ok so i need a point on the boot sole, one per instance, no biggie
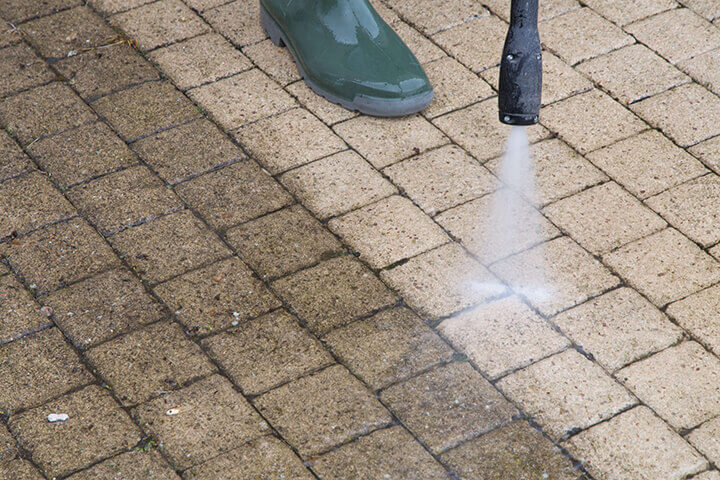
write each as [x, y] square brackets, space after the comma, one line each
[377, 107]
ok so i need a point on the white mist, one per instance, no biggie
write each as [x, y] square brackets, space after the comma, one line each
[508, 228]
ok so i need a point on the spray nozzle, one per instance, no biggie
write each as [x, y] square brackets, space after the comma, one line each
[521, 67]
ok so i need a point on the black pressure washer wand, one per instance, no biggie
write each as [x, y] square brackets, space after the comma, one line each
[521, 67]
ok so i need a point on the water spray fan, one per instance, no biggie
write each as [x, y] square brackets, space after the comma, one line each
[521, 67]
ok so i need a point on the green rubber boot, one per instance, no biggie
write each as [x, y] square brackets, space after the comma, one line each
[348, 54]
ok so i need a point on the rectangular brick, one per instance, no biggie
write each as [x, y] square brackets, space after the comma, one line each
[96, 428]
[43, 366]
[58, 255]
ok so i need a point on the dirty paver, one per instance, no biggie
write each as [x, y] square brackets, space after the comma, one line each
[216, 273]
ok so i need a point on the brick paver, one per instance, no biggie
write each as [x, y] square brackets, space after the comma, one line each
[216, 273]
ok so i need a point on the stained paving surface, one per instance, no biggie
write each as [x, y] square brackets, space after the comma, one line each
[218, 275]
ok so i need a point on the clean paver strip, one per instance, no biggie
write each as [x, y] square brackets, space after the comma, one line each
[205, 265]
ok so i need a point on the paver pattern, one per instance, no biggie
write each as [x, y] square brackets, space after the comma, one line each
[217, 274]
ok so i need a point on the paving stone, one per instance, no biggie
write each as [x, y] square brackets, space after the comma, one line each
[455, 86]
[106, 7]
[636, 444]
[647, 164]
[590, 121]
[691, 208]
[277, 62]
[149, 362]
[187, 150]
[20, 69]
[706, 8]
[559, 80]
[603, 218]
[476, 44]
[80, 154]
[388, 231]
[442, 178]
[44, 366]
[383, 141]
[677, 34]
[582, 394]
[58, 255]
[436, 15]
[559, 172]
[29, 202]
[618, 328]
[244, 98]
[515, 451]
[701, 68]
[288, 140]
[325, 110]
[212, 297]
[200, 60]
[42, 111]
[283, 242]
[708, 152]
[145, 109]
[477, 130]
[337, 184]
[17, 11]
[448, 406]
[394, 454]
[681, 384]
[123, 199]
[8, 34]
[20, 469]
[20, 313]
[266, 352]
[219, 418]
[699, 314]
[96, 429]
[623, 12]
[665, 266]
[568, 274]
[234, 194]
[706, 438]
[322, 410]
[715, 251]
[387, 347]
[333, 293]
[8, 447]
[96, 309]
[237, 21]
[136, 463]
[424, 50]
[502, 336]
[581, 34]
[102, 71]
[266, 457]
[12, 160]
[168, 246]
[547, 10]
[202, 5]
[65, 33]
[442, 281]
[633, 73]
[160, 23]
[684, 114]
[475, 224]
[714, 475]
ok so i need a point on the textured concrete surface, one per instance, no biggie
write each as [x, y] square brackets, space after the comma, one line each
[216, 273]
